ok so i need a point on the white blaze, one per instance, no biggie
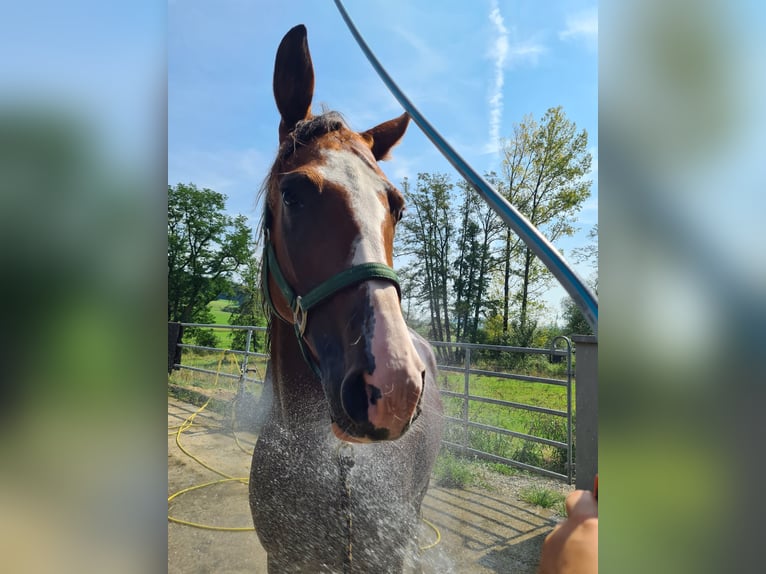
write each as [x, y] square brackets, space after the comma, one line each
[398, 367]
[365, 188]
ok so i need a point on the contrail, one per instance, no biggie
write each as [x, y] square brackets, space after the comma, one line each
[499, 53]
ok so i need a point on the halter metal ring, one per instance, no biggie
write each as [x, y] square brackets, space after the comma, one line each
[345, 453]
[299, 315]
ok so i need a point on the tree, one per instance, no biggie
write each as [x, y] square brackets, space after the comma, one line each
[575, 322]
[426, 235]
[516, 167]
[475, 261]
[465, 264]
[205, 248]
[544, 167]
[250, 308]
[589, 253]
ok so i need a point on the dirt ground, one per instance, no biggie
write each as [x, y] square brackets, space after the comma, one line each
[483, 530]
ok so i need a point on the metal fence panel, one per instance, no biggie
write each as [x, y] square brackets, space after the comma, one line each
[468, 355]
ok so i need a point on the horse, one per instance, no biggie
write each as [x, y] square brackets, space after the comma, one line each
[354, 417]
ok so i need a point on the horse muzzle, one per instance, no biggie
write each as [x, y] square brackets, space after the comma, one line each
[379, 406]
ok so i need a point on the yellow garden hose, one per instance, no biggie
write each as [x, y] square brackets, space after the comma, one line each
[226, 478]
[207, 526]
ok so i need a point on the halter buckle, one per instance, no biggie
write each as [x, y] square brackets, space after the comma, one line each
[345, 453]
[299, 315]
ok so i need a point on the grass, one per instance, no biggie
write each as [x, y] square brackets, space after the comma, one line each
[538, 394]
[501, 468]
[542, 496]
[453, 472]
[220, 314]
[222, 388]
[542, 425]
[221, 317]
[217, 307]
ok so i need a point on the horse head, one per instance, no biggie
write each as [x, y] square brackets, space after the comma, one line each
[330, 216]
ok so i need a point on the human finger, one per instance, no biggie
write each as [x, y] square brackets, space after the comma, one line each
[581, 503]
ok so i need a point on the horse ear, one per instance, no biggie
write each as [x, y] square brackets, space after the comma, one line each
[293, 79]
[387, 135]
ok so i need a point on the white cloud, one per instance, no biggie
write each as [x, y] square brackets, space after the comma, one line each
[526, 52]
[503, 54]
[219, 170]
[237, 173]
[499, 53]
[425, 58]
[399, 168]
[582, 26]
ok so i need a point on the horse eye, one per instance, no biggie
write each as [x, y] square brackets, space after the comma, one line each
[296, 189]
[290, 198]
[395, 203]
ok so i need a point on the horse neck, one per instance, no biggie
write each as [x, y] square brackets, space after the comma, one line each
[298, 394]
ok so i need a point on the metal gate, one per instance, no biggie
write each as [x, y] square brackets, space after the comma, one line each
[504, 391]
[493, 408]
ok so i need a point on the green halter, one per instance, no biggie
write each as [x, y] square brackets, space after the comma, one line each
[301, 304]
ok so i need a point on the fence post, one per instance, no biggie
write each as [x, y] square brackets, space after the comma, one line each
[586, 397]
[570, 447]
[249, 336]
[175, 334]
[244, 403]
[466, 392]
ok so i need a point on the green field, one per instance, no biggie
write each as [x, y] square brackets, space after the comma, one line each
[542, 425]
[221, 338]
[216, 307]
[221, 317]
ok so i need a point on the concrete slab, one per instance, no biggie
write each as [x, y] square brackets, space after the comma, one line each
[483, 530]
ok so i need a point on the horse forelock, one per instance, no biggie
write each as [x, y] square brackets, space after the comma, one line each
[306, 131]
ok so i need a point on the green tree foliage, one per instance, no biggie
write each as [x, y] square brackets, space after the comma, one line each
[480, 227]
[472, 276]
[575, 322]
[544, 167]
[589, 252]
[426, 235]
[466, 266]
[206, 248]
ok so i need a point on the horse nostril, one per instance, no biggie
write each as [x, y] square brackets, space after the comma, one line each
[354, 397]
[373, 393]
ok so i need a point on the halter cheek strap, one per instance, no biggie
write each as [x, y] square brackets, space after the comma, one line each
[300, 305]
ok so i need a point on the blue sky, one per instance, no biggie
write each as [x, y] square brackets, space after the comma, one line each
[474, 69]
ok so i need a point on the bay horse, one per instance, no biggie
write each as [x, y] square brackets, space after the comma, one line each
[354, 417]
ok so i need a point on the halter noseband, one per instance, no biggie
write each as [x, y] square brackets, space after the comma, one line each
[301, 304]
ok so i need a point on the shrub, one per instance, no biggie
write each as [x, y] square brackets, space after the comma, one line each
[551, 428]
[205, 338]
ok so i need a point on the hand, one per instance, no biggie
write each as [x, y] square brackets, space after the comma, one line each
[572, 547]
